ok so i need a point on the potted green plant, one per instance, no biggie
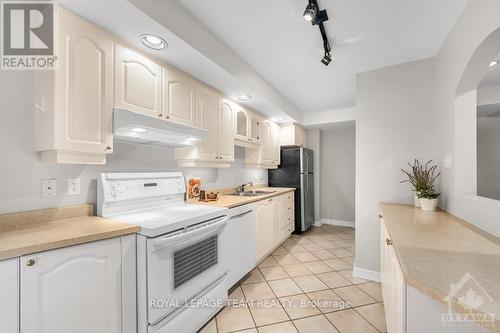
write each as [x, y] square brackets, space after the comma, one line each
[429, 199]
[422, 177]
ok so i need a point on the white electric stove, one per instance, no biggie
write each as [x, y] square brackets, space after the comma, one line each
[181, 249]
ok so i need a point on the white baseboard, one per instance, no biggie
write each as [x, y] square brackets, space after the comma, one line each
[340, 223]
[317, 224]
[365, 274]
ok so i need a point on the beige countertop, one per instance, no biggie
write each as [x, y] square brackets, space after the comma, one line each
[231, 201]
[437, 250]
[47, 229]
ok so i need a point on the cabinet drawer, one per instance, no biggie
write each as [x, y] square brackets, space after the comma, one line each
[286, 231]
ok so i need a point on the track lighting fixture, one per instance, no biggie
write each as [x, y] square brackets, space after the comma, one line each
[310, 12]
[317, 17]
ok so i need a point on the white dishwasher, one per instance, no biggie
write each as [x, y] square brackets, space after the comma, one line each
[241, 239]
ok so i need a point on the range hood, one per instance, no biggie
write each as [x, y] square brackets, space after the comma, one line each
[134, 127]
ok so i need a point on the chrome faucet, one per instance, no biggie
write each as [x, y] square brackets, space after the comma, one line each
[241, 188]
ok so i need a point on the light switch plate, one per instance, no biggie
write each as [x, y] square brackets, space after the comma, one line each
[49, 188]
[74, 186]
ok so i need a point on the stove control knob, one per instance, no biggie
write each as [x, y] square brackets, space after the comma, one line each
[113, 193]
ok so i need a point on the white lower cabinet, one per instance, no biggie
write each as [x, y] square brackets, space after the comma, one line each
[272, 225]
[9, 296]
[393, 284]
[79, 288]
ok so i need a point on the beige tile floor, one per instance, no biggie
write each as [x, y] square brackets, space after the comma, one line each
[305, 286]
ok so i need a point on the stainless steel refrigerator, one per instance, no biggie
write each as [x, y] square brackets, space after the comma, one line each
[297, 170]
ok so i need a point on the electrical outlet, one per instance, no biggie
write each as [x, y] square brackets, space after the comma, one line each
[74, 186]
[49, 188]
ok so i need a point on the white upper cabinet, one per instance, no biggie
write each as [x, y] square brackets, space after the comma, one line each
[74, 289]
[226, 130]
[255, 126]
[266, 155]
[242, 124]
[179, 93]
[292, 135]
[207, 105]
[138, 83]
[75, 102]
[275, 144]
[267, 149]
[216, 115]
[9, 296]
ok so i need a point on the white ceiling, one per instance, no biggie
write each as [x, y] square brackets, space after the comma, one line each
[266, 49]
[272, 37]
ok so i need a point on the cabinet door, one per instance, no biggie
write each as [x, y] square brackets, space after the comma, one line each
[9, 296]
[261, 231]
[242, 124]
[266, 140]
[226, 131]
[179, 94]
[138, 82]
[274, 222]
[255, 128]
[275, 143]
[84, 87]
[300, 136]
[206, 114]
[75, 289]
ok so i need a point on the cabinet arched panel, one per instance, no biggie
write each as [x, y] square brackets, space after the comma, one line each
[179, 94]
[226, 132]
[137, 83]
[86, 91]
[75, 289]
[206, 113]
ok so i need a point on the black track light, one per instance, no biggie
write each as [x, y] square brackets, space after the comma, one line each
[317, 17]
[310, 12]
[327, 59]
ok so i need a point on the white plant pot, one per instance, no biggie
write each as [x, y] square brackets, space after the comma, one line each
[428, 204]
[416, 200]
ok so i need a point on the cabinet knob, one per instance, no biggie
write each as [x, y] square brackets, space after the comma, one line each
[108, 148]
[380, 216]
[167, 116]
[388, 241]
[30, 262]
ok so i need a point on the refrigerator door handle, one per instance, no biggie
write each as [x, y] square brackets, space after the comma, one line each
[307, 161]
[306, 186]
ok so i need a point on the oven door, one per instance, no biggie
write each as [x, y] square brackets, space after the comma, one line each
[184, 263]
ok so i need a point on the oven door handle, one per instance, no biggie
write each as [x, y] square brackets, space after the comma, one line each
[168, 240]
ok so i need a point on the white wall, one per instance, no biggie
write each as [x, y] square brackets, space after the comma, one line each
[329, 116]
[488, 156]
[21, 172]
[338, 159]
[394, 124]
[478, 21]
[313, 142]
[488, 95]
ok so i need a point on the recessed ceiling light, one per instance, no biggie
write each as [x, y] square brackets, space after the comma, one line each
[153, 42]
[138, 130]
[494, 62]
[245, 97]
